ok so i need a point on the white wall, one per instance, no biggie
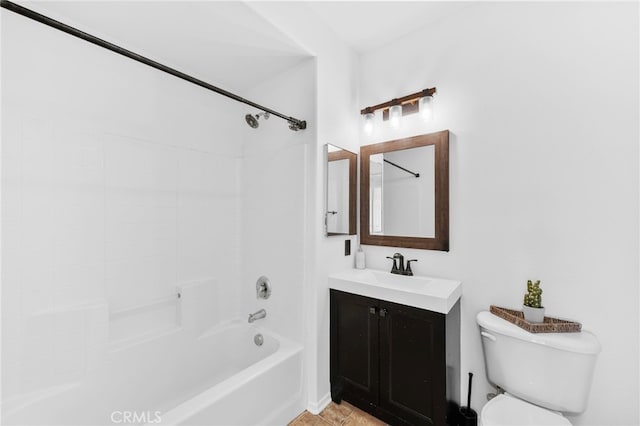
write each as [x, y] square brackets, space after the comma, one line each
[542, 103]
[119, 182]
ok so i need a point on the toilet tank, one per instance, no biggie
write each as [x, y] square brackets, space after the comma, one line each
[553, 370]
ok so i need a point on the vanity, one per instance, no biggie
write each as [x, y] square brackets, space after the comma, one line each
[395, 345]
[394, 338]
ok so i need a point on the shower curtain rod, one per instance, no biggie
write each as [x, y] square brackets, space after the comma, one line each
[402, 168]
[294, 123]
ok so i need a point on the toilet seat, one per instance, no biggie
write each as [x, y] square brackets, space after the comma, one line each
[507, 410]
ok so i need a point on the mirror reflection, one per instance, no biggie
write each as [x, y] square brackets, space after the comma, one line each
[402, 192]
[341, 172]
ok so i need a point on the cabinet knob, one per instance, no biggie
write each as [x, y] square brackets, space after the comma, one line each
[383, 312]
[372, 310]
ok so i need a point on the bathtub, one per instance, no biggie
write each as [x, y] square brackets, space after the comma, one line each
[265, 390]
[219, 377]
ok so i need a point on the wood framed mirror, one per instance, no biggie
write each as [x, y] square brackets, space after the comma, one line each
[404, 192]
[341, 191]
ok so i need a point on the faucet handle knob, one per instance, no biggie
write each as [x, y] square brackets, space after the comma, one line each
[394, 269]
[408, 270]
[263, 288]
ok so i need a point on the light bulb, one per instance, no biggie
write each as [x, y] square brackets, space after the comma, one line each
[395, 112]
[368, 122]
[426, 108]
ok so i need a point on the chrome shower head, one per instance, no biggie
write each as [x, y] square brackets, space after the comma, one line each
[252, 120]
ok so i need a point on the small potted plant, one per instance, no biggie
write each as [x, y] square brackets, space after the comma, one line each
[532, 307]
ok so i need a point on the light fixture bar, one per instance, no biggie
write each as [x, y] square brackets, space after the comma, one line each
[412, 98]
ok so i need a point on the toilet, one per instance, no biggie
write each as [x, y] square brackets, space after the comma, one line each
[544, 375]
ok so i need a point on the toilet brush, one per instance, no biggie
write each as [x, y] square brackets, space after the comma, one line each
[468, 417]
[469, 391]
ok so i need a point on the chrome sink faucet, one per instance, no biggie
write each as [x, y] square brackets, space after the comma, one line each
[399, 268]
[257, 315]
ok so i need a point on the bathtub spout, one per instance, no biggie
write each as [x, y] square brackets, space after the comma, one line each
[258, 315]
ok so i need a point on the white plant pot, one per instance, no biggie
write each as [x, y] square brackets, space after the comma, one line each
[533, 314]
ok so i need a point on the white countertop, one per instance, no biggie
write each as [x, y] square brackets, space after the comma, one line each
[433, 294]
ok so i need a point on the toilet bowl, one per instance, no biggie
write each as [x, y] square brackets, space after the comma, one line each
[544, 375]
[507, 410]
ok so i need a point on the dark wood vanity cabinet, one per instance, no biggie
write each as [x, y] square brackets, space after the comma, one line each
[397, 362]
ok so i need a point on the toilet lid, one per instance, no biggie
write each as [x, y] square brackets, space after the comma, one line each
[506, 410]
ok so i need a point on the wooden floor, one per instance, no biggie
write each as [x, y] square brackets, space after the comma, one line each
[343, 414]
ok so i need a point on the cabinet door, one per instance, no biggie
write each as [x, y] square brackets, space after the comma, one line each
[354, 348]
[412, 364]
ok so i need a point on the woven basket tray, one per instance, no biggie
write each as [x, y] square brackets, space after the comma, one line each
[550, 325]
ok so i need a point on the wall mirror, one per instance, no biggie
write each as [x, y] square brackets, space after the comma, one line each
[404, 192]
[340, 206]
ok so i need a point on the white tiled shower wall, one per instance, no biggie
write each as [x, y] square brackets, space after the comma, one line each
[115, 190]
[274, 206]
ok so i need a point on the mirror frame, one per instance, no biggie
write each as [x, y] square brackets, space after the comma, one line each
[353, 187]
[440, 141]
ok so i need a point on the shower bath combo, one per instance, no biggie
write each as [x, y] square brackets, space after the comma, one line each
[197, 372]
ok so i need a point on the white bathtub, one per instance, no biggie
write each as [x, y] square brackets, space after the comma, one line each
[265, 390]
[219, 378]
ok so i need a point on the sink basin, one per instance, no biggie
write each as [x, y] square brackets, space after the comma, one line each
[433, 294]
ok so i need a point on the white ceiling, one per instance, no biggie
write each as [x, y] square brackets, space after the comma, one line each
[368, 25]
[227, 43]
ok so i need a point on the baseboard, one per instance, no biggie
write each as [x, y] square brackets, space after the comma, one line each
[285, 415]
[317, 407]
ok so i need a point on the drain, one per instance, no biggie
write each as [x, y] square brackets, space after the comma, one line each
[258, 339]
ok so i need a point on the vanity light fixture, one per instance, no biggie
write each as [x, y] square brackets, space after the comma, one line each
[368, 118]
[425, 105]
[395, 113]
[394, 109]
